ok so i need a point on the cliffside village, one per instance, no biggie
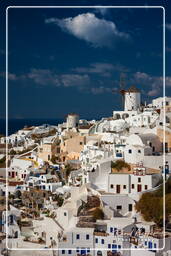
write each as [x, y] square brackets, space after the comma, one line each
[75, 188]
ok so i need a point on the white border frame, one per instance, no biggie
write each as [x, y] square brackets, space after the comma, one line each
[164, 124]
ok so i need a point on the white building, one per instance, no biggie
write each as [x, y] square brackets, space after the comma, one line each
[161, 101]
[132, 99]
[140, 145]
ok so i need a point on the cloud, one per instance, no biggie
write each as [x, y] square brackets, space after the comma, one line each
[102, 89]
[168, 26]
[86, 26]
[102, 11]
[101, 68]
[69, 80]
[12, 76]
[155, 83]
[154, 92]
[44, 77]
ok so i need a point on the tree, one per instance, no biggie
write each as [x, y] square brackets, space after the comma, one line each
[17, 194]
[12, 152]
[150, 204]
[98, 214]
[53, 159]
[59, 200]
[68, 170]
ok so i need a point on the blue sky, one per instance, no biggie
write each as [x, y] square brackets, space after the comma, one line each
[70, 59]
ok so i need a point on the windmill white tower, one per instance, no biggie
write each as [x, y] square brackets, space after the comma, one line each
[132, 99]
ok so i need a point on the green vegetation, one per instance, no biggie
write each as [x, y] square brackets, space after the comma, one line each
[119, 164]
[26, 150]
[3, 162]
[59, 200]
[54, 159]
[59, 176]
[35, 136]
[12, 152]
[17, 194]
[68, 170]
[151, 204]
[98, 214]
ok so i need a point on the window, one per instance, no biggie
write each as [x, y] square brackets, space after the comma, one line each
[96, 240]
[111, 229]
[119, 207]
[87, 237]
[81, 143]
[146, 187]
[119, 246]
[63, 251]
[48, 157]
[77, 249]
[139, 179]
[139, 151]
[155, 246]
[65, 214]
[124, 186]
[69, 251]
[111, 186]
[102, 241]
[77, 236]
[109, 246]
[133, 186]
[130, 151]
[114, 246]
[145, 242]
[88, 250]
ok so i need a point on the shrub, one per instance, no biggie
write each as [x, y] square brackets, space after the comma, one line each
[54, 159]
[59, 200]
[119, 164]
[12, 152]
[2, 160]
[98, 214]
[68, 170]
[150, 204]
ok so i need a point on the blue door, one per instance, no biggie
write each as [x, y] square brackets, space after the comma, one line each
[150, 245]
[114, 248]
[83, 251]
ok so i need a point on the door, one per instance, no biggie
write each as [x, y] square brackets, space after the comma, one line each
[83, 251]
[139, 188]
[130, 207]
[118, 189]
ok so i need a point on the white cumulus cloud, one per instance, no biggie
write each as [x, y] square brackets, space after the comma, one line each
[86, 26]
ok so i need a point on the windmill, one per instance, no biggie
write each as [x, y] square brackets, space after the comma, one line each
[122, 88]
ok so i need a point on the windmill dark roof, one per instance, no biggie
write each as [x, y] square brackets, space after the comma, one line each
[132, 89]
